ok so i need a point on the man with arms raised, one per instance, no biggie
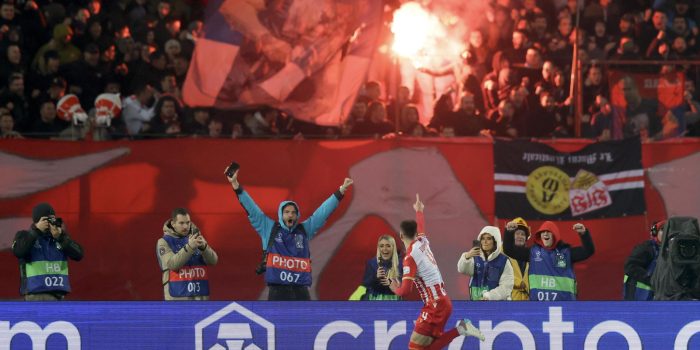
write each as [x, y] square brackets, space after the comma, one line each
[285, 242]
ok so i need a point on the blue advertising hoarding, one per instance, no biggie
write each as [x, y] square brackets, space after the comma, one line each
[342, 325]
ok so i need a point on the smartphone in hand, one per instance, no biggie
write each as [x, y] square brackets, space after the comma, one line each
[232, 169]
[476, 243]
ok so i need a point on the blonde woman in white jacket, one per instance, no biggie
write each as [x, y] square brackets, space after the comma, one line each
[490, 269]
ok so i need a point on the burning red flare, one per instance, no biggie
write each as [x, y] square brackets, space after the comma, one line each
[425, 38]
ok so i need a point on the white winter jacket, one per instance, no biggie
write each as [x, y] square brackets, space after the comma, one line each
[505, 283]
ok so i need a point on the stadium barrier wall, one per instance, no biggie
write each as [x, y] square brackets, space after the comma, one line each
[342, 325]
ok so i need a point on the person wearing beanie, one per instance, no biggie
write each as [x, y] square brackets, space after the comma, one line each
[640, 265]
[551, 272]
[43, 253]
[518, 231]
[490, 270]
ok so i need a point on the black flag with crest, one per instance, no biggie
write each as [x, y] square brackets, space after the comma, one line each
[534, 181]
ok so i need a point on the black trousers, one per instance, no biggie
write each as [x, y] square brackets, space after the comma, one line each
[283, 292]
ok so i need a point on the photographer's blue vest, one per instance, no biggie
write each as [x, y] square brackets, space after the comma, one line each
[47, 267]
[289, 257]
[551, 274]
[487, 274]
[192, 279]
[642, 291]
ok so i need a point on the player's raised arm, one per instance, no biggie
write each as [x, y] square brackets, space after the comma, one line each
[418, 206]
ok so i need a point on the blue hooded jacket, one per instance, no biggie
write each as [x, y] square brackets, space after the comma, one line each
[289, 257]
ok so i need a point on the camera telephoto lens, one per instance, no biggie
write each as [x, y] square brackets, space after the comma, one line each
[55, 221]
[688, 249]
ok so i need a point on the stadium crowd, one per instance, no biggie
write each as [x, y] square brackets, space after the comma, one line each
[517, 79]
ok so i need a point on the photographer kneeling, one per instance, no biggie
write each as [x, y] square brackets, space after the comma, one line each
[677, 273]
[43, 253]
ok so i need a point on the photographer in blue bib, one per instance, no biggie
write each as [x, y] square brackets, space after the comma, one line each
[43, 253]
[551, 260]
[286, 260]
[490, 270]
[379, 271]
[183, 255]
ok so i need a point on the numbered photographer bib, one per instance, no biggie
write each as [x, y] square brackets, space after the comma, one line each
[192, 279]
[189, 281]
[551, 276]
[289, 260]
[48, 269]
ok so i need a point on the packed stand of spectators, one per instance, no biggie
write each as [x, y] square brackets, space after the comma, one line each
[517, 79]
[518, 72]
[140, 49]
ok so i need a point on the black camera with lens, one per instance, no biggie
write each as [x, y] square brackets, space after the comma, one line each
[55, 221]
[685, 250]
[677, 272]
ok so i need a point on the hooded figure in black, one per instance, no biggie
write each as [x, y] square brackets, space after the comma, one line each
[677, 273]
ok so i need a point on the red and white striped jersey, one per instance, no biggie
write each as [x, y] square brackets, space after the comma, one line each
[420, 266]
